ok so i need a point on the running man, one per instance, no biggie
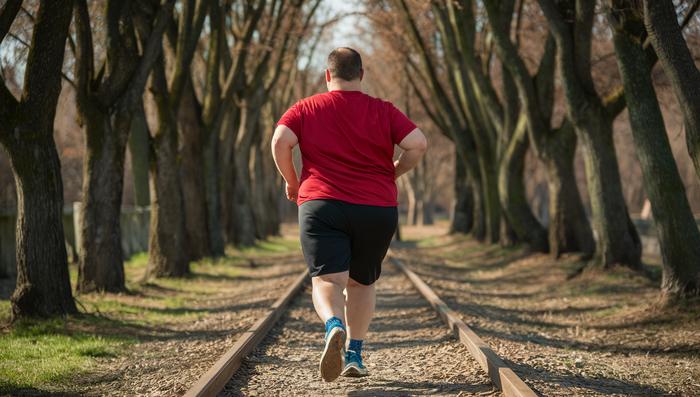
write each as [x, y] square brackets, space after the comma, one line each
[347, 199]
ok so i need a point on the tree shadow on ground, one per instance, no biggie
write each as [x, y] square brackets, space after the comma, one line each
[598, 385]
[390, 388]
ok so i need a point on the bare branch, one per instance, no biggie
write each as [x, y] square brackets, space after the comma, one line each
[152, 49]
[42, 82]
[84, 55]
[8, 13]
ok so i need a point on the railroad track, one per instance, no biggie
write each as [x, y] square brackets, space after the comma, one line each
[410, 352]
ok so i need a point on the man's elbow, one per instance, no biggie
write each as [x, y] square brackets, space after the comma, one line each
[421, 144]
[283, 139]
[276, 143]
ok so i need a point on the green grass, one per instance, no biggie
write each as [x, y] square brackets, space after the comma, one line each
[275, 245]
[44, 354]
[48, 354]
[428, 242]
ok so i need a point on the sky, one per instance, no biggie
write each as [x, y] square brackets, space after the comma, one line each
[342, 34]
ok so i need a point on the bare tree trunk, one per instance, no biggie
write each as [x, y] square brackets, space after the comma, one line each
[569, 228]
[416, 178]
[42, 287]
[592, 117]
[428, 211]
[227, 172]
[675, 57]
[261, 212]
[101, 266]
[167, 247]
[491, 205]
[244, 225]
[192, 175]
[478, 231]
[463, 208]
[26, 132]
[213, 194]
[512, 194]
[106, 102]
[677, 231]
[272, 188]
[139, 149]
[617, 238]
[411, 209]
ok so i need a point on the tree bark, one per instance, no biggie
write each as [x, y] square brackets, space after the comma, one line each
[677, 231]
[167, 253]
[478, 230]
[227, 170]
[26, 131]
[42, 287]
[678, 64]
[463, 207]
[101, 258]
[512, 193]
[213, 194]
[167, 248]
[106, 102]
[272, 187]
[139, 149]
[244, 226]
[411, 209]
[569, 229]
[192, 174]
[261, 212]
[617, 239]
[168, 244]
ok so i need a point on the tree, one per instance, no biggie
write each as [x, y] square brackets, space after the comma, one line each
[450, 118]
[167, 252]
[678, 64]
[286, 23]
[26, 132]
[139, 149]
[107, 98]
[568, 228]
[571, 24]
[677, 231]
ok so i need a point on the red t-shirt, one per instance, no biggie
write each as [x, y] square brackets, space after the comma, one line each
[347, 146]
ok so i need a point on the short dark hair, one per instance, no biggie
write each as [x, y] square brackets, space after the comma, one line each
[345, 63]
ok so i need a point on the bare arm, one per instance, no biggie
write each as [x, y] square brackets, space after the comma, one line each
[414, 146]
[283, 141]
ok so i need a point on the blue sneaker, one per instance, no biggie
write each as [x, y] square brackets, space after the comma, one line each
[353, 365]
[332, 358]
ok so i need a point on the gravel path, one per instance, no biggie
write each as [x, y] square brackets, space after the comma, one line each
[409, 351]
[583, 337]
[174, 356]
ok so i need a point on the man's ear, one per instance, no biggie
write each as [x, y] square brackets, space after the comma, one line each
[328, 76]
[362, 74]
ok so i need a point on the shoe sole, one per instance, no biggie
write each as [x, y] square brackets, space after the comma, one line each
[332, 357]
[352, 371]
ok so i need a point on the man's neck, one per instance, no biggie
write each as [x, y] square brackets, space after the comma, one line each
[345, 86]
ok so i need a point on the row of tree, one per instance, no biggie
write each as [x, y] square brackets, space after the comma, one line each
[190, 87]
[494, 115]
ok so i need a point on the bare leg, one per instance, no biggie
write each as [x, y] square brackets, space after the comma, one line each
[328, 295]
[359, 308]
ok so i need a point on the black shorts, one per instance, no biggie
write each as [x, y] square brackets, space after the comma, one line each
[337, 236]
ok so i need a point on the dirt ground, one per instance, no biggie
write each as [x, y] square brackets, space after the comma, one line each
[595, 334]
[409, 351]
[601, 333]
[169, 356]
[176, 357]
